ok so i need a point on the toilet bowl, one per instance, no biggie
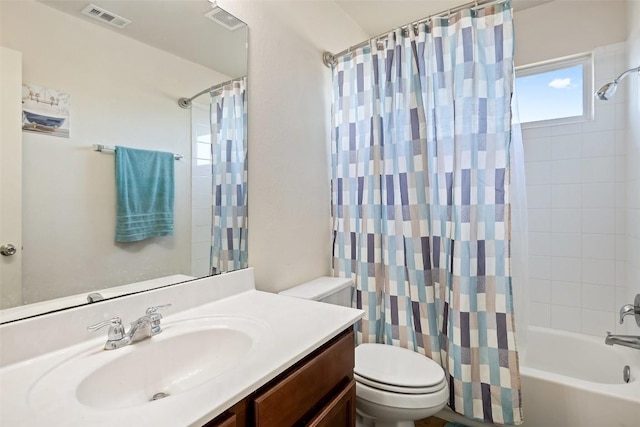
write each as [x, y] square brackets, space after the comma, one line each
[394, 386]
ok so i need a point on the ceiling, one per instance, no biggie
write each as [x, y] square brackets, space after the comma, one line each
[176, 26]
[379, 16]
[179, 26]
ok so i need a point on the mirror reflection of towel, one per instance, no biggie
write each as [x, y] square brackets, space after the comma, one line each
[145, 194]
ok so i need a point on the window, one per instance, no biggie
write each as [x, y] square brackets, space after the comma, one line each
[555, 92]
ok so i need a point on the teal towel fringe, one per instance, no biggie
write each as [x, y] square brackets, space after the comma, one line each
[145, 194]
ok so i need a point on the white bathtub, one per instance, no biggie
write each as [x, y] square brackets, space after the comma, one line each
[573, 380]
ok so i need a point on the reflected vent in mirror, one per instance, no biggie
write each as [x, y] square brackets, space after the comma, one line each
[224, 18]
[105, 16]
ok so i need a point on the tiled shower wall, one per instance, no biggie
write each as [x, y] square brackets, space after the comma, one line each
[576, 189]
[201, 193]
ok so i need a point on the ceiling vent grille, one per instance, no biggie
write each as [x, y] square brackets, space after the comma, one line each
[224, 18]
[105, 16]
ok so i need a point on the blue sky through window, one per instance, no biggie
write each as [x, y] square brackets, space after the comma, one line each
[551, 95]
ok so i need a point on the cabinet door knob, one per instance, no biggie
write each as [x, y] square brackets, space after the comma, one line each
[8, 249]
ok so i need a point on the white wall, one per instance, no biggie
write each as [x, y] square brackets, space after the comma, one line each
[566, 27]
[122, 93]
[632, 84]
[289, 115]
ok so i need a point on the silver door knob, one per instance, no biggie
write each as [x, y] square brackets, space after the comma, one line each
[8, 249]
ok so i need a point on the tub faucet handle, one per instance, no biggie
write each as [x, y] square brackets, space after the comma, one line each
[631, 309]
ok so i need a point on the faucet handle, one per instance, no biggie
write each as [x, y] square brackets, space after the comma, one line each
[116, 330]
[154, 309]
[154, 318]
[631, 309]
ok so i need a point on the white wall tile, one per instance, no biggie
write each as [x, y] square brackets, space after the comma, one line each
[536, 132]
[583, 213]
[539, 243]
[566, 245]
[599, 246]
[539, 267]
[620, 115]
[201, 233]
[621, 223]
[598, 195]
[539, 196]
[537, 149]
[540, 314]
[566, 293]
[621, 142]
[566, 220]
[599, 144]
[568, 171]
[539, 219]
[201, 217]
[566, 269]
[566, 318]
[595, 322]
[571, 129]
[540, 290]
[599, 272]
[566, 147]
[599, 169]
[599, 221]
[604, 118]
[566, 196]
[538, 173]
[596, 297]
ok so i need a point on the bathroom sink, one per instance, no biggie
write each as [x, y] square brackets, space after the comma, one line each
[185, 355]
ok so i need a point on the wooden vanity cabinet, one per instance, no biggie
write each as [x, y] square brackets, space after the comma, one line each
[318, 391]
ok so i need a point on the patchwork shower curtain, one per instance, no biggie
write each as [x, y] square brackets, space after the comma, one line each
[229, 172]
[421, 200]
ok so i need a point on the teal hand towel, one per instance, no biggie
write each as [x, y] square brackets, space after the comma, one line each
[145, 193]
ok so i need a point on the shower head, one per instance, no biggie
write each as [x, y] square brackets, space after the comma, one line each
[184, 103]
[607, 91]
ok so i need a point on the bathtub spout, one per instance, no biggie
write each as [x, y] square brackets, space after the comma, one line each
[632, 341]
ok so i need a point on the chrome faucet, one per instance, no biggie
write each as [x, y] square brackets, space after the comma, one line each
[632, 341]
[143, 328]
[631, 309]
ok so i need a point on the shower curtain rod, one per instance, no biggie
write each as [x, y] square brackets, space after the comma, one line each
[186, 102]
[329, 58]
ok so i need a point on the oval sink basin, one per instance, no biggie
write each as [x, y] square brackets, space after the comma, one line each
[185, 355]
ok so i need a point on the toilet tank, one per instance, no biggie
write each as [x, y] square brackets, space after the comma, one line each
[332, 290]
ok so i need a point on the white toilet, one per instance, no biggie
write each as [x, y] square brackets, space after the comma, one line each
[394, 386]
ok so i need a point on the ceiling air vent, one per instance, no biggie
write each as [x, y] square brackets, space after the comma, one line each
[224, 18]
[100, 14]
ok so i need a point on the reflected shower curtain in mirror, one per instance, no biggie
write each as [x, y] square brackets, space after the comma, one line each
[421, 200]
[229, 170]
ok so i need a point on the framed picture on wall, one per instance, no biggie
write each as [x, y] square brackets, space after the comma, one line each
[45, 111]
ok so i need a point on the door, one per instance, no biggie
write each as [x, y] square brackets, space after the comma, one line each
[10, 177]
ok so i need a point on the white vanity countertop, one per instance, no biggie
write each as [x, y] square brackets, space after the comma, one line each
[293, 328]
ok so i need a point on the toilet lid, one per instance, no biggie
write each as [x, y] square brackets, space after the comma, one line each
[397, 389]
[396, 366]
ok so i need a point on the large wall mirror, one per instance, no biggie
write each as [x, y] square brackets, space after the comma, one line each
[87, 81]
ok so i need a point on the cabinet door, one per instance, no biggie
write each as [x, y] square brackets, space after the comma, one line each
[225, 420]
[288, 401]
[340, 411]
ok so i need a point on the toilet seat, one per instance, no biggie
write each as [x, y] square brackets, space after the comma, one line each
[390, 367]
[397, 389]
[402, 401]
